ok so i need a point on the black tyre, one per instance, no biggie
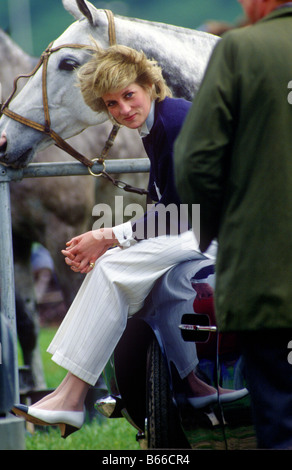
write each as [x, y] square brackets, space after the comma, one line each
[163, 425]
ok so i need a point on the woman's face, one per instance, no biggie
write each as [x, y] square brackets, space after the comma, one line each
[130, 106]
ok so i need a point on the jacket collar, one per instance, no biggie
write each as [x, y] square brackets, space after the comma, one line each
[282, 10]
[147, 126]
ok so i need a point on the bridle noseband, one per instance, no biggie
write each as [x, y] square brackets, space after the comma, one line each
[45, 128]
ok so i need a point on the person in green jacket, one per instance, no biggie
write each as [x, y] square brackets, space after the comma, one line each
[234, 158]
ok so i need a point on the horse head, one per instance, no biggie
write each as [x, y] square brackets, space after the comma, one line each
[183, 55]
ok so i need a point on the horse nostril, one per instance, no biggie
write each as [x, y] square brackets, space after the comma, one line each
[3, 142]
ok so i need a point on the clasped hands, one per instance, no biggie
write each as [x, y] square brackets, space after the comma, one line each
[82, 251]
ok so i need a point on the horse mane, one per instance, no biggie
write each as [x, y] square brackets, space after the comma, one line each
[164, 26]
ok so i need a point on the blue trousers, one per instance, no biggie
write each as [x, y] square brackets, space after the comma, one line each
[269, 378]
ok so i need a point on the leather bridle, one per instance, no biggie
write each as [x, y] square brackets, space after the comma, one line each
[46, 128]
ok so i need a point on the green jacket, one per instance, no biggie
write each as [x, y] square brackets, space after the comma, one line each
[234, 158]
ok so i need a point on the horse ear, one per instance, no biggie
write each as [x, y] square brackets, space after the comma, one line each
[84, 7]
[79, 9]
[71, 7]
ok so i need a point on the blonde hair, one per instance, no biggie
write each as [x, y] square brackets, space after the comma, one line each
[114, 69]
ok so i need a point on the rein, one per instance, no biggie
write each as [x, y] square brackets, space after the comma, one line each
[46, 128]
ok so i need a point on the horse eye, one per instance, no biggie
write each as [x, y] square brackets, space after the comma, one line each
[68, 64]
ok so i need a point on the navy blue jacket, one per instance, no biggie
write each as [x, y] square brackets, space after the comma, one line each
[168, 119]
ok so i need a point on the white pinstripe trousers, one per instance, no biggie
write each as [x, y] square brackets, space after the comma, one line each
[113, 290]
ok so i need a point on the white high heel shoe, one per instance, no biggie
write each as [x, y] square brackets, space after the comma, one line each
[230, 396]
[68, 421]
[203, 402]
[225, 396]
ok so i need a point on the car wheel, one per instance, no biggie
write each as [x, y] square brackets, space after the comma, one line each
[163, 425]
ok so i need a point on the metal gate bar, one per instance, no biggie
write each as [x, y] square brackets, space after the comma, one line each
[36, 170]
[7, 291]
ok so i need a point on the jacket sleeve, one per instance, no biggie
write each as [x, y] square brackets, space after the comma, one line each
[204, 145]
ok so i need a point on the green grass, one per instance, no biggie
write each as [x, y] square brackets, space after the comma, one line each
[99, 434]
[114, 434]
